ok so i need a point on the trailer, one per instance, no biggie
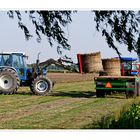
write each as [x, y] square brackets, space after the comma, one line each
[129, 85]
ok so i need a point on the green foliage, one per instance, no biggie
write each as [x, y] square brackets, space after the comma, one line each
[129, 119]
[119, 26]
[110, 119]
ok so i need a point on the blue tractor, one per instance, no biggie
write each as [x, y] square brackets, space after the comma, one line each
[14, 73]
[129, 67]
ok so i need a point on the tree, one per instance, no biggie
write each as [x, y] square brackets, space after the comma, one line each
[120, 26]
[115, 26]
[48, 23]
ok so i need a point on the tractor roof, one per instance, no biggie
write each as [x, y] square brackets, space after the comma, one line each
[12, 53]
[128, 59]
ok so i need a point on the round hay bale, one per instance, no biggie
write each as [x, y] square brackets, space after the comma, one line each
[92, 62]
[112, 66]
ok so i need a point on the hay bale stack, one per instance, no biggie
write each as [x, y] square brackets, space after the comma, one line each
[92, 62]
[112, 66]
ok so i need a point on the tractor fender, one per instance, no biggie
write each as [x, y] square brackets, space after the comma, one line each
[2, 67]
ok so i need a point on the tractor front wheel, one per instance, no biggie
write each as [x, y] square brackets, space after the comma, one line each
[41, 85]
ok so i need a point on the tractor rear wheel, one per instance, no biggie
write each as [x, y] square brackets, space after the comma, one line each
[41, 85]
[9, 81]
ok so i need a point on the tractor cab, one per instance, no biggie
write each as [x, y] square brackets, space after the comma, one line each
[15, 61]
[129, 66]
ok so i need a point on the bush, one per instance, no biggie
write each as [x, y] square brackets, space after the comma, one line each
[129, 119]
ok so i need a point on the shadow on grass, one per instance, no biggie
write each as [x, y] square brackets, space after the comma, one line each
[75, 94]
[117, 96]
[25, 93]
[72, 94]
[86, 94]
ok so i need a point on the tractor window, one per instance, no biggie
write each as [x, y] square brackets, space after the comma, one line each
[127, 65]
[5, 60]
[134, 67]
[17, 61]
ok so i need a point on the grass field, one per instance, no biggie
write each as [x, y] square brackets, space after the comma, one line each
[70, 106]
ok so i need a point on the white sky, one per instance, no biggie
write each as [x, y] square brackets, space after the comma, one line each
[81, 33]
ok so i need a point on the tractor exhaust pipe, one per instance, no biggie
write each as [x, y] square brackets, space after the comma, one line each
[37, 61]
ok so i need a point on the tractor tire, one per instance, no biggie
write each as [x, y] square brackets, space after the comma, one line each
[9, 81]
[41, 85]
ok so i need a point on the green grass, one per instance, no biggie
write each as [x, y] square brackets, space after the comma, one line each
[70, 106]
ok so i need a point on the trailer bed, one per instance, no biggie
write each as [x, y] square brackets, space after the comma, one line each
[109, 84]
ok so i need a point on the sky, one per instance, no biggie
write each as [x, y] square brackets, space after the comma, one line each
[81, 34]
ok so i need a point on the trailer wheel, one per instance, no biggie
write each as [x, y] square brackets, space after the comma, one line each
[100, 93]
[9, 81]
[41, 85]
[131, 94]
[103, 94]
[138, 88]
[108, 93]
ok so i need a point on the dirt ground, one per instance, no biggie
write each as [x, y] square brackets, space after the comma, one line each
[70, 77]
